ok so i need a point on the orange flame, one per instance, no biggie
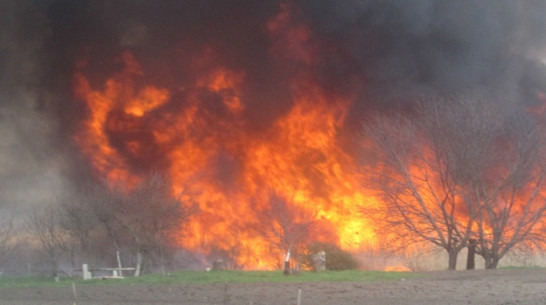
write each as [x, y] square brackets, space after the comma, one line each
[130, 127]
[214, 158]
[298, 158]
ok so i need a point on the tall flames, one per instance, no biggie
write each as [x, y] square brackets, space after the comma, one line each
[218, 161]
[297, 158]
[199, 131]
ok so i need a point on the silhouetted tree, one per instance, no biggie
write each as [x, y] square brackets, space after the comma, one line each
[459, 168]
[45, 226]
[511, 209]
[285, 225]
[151, 217]
[421, 200]
[8, 243]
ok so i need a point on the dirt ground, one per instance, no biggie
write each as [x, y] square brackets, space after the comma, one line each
[507, 286]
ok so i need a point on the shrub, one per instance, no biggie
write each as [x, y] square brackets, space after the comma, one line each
[336, 258]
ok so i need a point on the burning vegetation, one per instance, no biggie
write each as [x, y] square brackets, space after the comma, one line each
[252, 130]
[292, 177]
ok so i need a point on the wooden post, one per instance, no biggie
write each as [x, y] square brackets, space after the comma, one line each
[218, 265]
[470, 260]
[287, 263]
[85, 272]
[138, 264]
[319, 261]
[119, 263]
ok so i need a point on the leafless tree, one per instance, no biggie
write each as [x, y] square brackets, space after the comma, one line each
[421, 200]
[45, 226]
[90, 219]
[285, 226]
[8, 243]
[139, 222]
[511, 206]
[151, 217]
[79, 220]
[459, 169]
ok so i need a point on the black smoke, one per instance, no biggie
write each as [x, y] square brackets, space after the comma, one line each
[384, 52]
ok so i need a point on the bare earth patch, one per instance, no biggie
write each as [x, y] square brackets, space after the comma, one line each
[507, 286]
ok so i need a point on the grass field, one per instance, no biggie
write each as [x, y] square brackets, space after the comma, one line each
[228, 276]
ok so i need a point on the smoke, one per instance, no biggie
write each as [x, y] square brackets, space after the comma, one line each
[384, 52]
[30, 162]
[402, 49]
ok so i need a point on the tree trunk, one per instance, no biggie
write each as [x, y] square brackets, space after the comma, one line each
[470, 259]
[54, 267]
[492, 263]
[452, 259]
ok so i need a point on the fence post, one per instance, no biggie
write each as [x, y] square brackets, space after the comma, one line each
[86, 274]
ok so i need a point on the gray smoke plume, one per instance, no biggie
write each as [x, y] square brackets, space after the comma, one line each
[31, 165]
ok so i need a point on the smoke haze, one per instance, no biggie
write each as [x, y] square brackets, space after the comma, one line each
[380, 53]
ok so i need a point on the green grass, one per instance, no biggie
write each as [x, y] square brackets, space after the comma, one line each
[520, 267]
[228, 276]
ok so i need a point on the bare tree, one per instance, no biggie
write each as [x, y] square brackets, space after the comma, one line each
[90, 218]
[8, 243]
[285, 226]
[421, 200]
[143, 220]
[459, 169]
[45, 227]
[511, 206]
[79, 220]
[151, 217]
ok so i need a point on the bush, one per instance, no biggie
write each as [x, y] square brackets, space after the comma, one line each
[336, 258]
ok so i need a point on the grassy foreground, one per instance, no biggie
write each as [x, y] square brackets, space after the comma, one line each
[228, 276]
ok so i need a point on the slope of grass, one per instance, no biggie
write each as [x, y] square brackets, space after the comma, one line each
[228, 276]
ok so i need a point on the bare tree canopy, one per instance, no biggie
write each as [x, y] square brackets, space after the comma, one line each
[45, 226]
[285, 226]
[8, 240]
[457, 170]
[143, 221]
[151, 216]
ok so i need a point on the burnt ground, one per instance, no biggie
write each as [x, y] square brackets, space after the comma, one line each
[506, 286]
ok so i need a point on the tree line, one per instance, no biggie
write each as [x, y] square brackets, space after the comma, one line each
[102, 227]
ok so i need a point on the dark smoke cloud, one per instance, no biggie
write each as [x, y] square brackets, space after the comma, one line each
[405, 48]
[387, 51]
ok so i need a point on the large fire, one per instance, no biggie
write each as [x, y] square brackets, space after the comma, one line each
[219, 162]
[199, 132]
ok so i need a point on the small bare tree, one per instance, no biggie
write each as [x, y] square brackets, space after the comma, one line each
[151, 217]
[80, 221]
[90, 219]
[8, 243]
[45, 226]
[285, 226]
